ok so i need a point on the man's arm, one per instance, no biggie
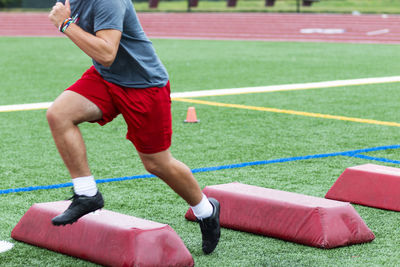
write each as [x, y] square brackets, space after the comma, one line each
[101, 47]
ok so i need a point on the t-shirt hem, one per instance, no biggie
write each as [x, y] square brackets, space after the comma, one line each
[138, 86]
[111, 27]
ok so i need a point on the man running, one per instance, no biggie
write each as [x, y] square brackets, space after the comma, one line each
[127, 78]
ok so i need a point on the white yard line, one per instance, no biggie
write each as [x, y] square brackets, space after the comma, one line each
[234, 91]
[4, 246]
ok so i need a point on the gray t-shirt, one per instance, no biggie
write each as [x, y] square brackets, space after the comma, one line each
[136, 64]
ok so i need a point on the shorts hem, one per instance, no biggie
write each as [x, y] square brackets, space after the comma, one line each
[149, 150]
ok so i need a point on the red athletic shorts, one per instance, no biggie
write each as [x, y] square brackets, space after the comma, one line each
[147, 111]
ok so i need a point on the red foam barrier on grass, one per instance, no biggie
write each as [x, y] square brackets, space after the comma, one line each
[370, 185]
[106, 238]
[294, 217]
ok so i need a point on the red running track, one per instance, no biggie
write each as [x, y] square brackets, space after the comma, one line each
[236, 26]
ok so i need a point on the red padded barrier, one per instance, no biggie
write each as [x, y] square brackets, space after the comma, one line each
[106, 238]
[370, 185]
[294, 217]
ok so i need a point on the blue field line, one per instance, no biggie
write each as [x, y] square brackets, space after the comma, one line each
[376, 159]
[34, 188]
[101, 181]
[350, 153]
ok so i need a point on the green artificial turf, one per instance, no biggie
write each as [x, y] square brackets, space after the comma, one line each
[224, 136]
[52, 64]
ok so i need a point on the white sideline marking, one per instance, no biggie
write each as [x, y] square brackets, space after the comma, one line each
[378, 32]
[287, 87]
[8, 108]
[4, 246]
[235, 91]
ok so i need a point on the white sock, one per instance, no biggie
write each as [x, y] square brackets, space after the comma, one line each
[204, 209]
[85, 186]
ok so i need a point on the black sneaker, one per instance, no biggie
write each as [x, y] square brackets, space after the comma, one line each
[80, 206]
[210, 228]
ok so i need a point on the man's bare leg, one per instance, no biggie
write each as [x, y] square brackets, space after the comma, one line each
[175, 174]
[67, 111]
[179, 177]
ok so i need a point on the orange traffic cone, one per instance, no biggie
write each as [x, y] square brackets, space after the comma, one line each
[191, 115]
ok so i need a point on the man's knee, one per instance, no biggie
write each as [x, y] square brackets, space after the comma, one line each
[156, 166]
[53, 115]
[151, 166]
[57, 117]
[158, 163]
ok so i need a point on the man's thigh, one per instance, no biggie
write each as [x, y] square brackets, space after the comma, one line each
[95, 90]
[71, 106]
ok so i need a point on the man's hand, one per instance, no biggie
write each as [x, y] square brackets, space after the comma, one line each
[101, 46]
[59, 13]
